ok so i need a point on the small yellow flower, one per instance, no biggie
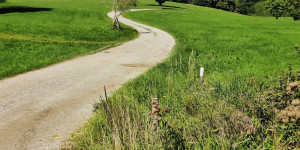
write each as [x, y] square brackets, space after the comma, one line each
[56, 137]
[164, 96]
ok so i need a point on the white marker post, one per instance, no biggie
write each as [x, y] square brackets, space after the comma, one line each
[201, 75]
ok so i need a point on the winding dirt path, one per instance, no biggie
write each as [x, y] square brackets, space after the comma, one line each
[39, 109]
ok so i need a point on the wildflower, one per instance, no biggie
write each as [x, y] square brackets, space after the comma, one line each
[166, 109]
[56, 137]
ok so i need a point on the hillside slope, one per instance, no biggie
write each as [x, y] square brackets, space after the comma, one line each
[39, 33]
[248, 61]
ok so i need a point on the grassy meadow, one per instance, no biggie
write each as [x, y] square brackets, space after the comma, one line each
[248, 61]
[38, 33]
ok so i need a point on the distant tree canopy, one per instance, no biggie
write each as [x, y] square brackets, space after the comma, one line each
[1, 1]
[245, 6]
[240, 6]
[280, 8]
[276, 8]
[293, 8]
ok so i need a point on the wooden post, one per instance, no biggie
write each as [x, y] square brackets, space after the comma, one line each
[155, 114]
[201, 75]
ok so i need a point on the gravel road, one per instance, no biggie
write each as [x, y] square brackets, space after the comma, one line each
[40, 109]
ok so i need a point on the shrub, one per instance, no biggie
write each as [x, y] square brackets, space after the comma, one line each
[228, 5]
[244, 7]
[208, 3]
[284, 104]
[260, 9]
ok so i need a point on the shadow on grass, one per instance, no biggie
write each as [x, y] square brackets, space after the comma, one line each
[167, 7]
[21, 9]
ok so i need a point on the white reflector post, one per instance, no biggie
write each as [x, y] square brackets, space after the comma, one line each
[201, 75]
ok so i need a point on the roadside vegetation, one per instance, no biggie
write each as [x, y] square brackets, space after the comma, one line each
[249, 98]
[38, 33]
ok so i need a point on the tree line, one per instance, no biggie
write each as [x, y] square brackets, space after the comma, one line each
[280, 8]
[276, 8]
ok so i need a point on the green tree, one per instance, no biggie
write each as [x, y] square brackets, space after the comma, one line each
[244, 6]
[276, 7]
[1, 1]
[228, 5]
[293, 8]
[119, 7]
[160, 2]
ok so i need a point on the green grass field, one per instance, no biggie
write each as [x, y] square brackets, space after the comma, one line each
[248, 63]
[38, 33]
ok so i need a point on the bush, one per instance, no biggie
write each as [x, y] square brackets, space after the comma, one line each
[2, 1]
[284, 99]
[228, 5]
[244, 7]
[260, 9]
[208, 3]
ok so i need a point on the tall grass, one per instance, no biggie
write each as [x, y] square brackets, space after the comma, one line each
[248, 63]
[200, 117]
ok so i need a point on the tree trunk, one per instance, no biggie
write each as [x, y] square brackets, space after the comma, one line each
[116, 22]
[295, 18]
[160, 3]
[276, 17]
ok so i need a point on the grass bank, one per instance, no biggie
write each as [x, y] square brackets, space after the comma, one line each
[248, 61]
[38, 33]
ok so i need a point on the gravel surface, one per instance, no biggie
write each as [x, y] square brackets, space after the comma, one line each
[40, 109]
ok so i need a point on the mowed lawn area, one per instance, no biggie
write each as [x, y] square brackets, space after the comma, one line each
[228, 44]
[248, 61]
[38, 33]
